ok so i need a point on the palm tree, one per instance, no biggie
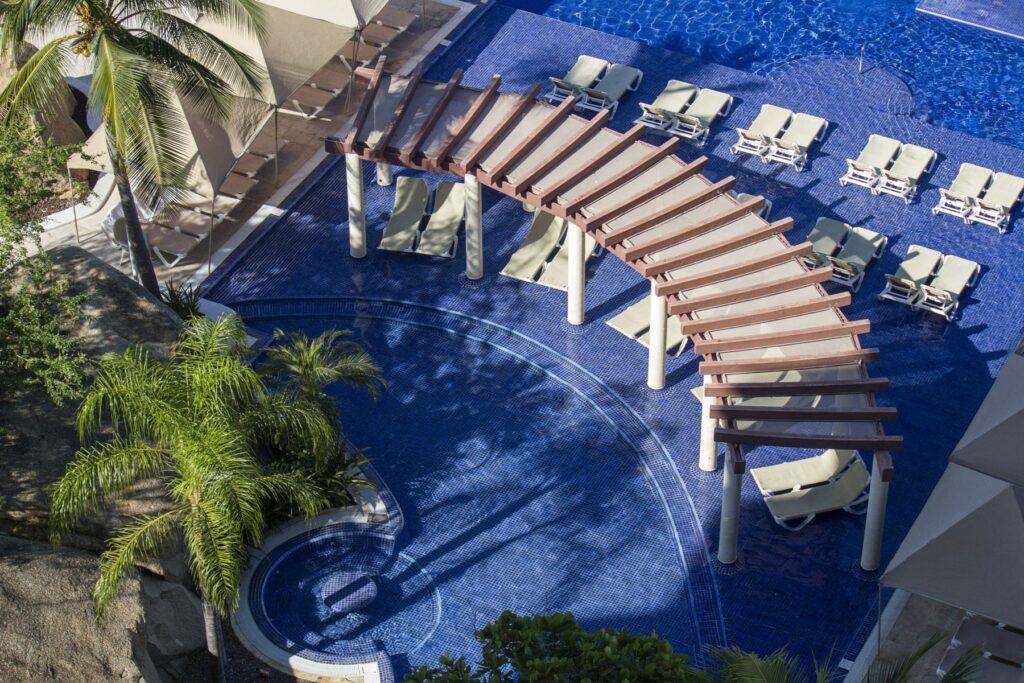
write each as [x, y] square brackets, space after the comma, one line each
[194, 421]
[143, 56]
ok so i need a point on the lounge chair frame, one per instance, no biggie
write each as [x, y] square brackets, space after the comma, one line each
[691, 128]
[902, 187]
[590, 99]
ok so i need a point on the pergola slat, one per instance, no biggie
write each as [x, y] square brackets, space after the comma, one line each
[756, 437]
[592, 164]
[720, 274]
[533, 138]
[699, 325]
[412, 148]
[364, 107]
[689, 258]
[592, 128]
[800, 414]
[811, 277]
[825, 388]
[731, 214]
[377, 151]
[807, 334]
[723, 367]
[492, 137]
[476, 110]
[659, 216]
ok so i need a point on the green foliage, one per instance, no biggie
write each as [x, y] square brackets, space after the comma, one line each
[183, 300]
[36, 312]
[554, 647]
[899, 671]
[196, 422]
[736, 666]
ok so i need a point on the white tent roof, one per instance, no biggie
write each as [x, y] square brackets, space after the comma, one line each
[350, 13]
[966, 548]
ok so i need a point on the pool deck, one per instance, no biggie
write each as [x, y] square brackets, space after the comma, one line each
[1005, 17]
[803, 590]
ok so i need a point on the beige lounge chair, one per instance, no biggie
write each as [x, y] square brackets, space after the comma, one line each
[609, 89]
[904, 286]
[583, 74]
[309, 102]
[402, 230]
[963, 192]
[902, 178]
[673, 99]
[757, 139]
[996, 205]
[545, 234]
[792, 148]
[867, 168]
[440, 237]
[556, 272]
[825, 237]
[330, 78]
[169, 245]
[394, 18]
[800, 474]
[942, 294]
[861, 248]
[795, 509]
[635, 323]
[696, 120]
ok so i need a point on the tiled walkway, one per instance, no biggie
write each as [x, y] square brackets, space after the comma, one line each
[803, 589]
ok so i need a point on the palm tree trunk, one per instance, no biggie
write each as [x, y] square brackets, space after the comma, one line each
[138, 248]
[213, 638]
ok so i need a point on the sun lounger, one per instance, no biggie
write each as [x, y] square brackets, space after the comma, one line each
[356, 53]
[959, 198]
[609, 89]
[661, 113]
[902, 178]
[394, 18]
[696, 120]
[440, 236]
[995, 207]
[556, 273]
[800, 474]
[757, 139]
[867, 168]
[862, 246]
[794, 144]
[583, 74]
[186, 220]
[169, 245]
[826, 236]
[942, 294]
[310, 102]
[765, 211]
[1001, 650]
[403, 227]
[904, 286]
[989, 670]
[379, 34]
[545, 235]
[795, 509]
[635, 323]
[330, 78]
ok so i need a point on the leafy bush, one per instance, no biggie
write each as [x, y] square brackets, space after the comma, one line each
[183, 300]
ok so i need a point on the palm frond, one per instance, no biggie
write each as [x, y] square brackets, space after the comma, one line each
[899, 671]
[964, 668]
[21, 20]
[135, 542]
[737, 666]
[38, 85]
[295, 489]
[217, 554]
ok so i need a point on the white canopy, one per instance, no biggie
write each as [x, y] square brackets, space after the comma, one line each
[349, 13]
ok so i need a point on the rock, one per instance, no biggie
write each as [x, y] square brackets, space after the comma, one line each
[174, 618]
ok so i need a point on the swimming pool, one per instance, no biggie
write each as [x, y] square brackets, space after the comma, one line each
[963, 78]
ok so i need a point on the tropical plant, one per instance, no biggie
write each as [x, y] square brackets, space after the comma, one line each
[195, 422]
[183, 300]
[737, 666]
[144, 54]
[899, 671]
[37, 314]
[554, 647]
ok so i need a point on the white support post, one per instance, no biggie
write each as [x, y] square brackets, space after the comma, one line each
[874, 524]
[356, 213]
[474, 228]
[577, 274]
[385, 175]
[729, 524]
[708, 448]
[657, 339]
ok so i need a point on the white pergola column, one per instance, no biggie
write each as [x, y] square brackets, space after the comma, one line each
[577, 274]
[356, 212]
[708, 448]
[729, 525]
[657, 339]
[474, 228]
[385, 174]
[874, 524]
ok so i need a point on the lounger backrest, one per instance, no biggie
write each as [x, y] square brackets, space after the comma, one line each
[770, 121]
[804, 130]
[585, 71]
[675, 96]
[861, 247]
[970, 181]
[708, 105]
[850, 484]
[912, 162]
[879, 151]
[919, 264]
[1004, 192]
[954, 275]
[615, 82]
[827, 235]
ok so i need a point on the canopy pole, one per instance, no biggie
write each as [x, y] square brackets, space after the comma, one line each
[474, 228]
[352, 66]
[277, 148]
[729, 524]
[209, 241]
[708, 448]
[657, 339]
[878, 497]
[356, 214]
[577, 274]
[385, 174]
[74, 209]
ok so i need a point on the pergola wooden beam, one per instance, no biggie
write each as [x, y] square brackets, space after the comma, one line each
[591, 165]
[757, 437]
[723, 322]
[731, 214]
[411, 149]
[823, 388]
[759, 341]
[491, 138]
[656, 268]
[801, 414]
[364, 107]
[476, 110]
[592, 128]
[377, 151]
[778, 364]
[531, 140]
[742, 268]
[733, 296]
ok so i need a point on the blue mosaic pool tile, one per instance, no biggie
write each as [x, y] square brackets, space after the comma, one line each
[1002, 16]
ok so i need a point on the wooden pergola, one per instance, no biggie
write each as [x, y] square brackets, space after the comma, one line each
[782, 365]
